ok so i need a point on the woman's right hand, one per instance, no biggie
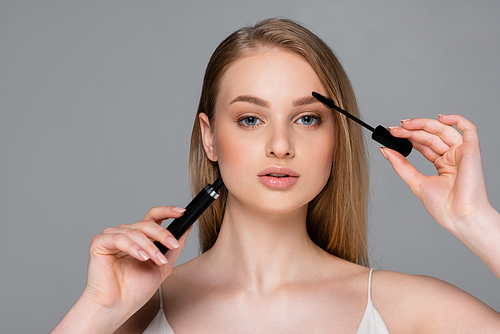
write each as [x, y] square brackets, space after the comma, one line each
[125, 267]
[125, 270]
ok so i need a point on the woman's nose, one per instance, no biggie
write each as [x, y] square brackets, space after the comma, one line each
[280, 143]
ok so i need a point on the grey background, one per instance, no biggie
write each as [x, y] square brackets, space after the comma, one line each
[97, 100]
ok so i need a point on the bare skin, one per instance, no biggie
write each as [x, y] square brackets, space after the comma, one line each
[264, 274]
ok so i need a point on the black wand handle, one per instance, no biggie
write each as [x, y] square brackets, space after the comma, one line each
[194, 209]
[384, 137]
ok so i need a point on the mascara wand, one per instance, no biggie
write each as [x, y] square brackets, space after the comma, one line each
[380, 134]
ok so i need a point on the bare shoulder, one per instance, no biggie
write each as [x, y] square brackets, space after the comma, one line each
[423, 304]
[185, 281]
[182, 275]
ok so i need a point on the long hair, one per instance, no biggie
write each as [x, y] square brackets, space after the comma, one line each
[337, 217]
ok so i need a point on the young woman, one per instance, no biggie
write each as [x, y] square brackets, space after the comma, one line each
[284, 248]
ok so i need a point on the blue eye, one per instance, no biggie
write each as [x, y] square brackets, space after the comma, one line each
[308, 120]
[249, 121]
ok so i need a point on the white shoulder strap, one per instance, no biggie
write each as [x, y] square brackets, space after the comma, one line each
[370, 285]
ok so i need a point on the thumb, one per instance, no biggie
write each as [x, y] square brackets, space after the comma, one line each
[404, 169]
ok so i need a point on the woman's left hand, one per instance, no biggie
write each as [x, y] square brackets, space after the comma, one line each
[456, 196]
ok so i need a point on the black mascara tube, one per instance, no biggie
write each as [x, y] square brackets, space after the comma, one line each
[193, 211]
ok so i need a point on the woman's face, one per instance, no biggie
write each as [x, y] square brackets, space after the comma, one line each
[273, 141]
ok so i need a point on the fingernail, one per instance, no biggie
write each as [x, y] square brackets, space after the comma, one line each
[405, 120]
[178, 209]
[383, 153]
[143, 255]
[161, 258]
[173, 242]
[393, 127]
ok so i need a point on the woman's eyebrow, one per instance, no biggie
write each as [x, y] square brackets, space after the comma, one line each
[263, 103]
[304, 101]
[251, 99]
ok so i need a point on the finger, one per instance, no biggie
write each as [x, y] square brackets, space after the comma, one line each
[144, 233]
[155, 232]
[160, 213]
[469, 156]
[468, 128]
[404, 169]
[445, 132]
[429, 153]
[431, 146]
[172, 255]
[134, 242]
[116, 243]
[145, 242]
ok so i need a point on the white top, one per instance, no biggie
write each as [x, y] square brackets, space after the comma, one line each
[371, 323]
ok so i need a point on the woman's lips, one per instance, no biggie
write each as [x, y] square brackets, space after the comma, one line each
[278, 177]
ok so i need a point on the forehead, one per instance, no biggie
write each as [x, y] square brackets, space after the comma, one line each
[272, 74]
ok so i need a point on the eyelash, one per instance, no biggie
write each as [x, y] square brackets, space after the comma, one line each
[317, 121]
[242, 120]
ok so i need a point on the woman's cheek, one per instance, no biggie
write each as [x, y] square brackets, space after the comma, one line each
[235, 157]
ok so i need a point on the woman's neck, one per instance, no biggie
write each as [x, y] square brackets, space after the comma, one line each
[261, 251]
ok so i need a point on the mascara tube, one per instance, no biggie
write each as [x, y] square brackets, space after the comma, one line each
[193, 211]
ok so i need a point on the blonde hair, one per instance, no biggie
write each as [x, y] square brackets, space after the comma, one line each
[337, 216]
